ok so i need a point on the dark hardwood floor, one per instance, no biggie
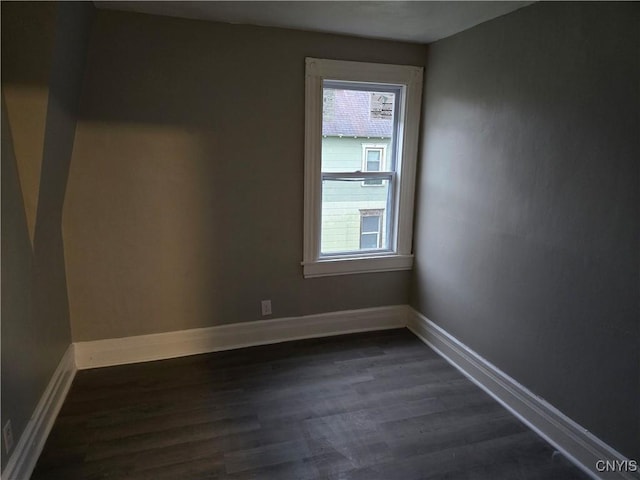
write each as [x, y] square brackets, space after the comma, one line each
[369, 406]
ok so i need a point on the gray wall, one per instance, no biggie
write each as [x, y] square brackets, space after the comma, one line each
[527, 215]
[43, 51]
[185, 196]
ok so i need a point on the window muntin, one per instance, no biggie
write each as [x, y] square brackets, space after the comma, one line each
[323, 174]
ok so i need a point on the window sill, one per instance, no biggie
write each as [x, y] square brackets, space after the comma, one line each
[347, 266]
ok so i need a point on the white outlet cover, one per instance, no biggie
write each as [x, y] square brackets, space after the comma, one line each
[266, 307]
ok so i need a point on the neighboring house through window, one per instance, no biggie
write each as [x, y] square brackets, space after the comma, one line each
[361, 131]
[370, 229]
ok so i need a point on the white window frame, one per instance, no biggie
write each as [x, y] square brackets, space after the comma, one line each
[367, 147]
[399, 256]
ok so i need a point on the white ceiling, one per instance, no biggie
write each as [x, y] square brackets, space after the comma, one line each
[413, 21]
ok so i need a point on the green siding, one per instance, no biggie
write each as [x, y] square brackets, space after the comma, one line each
[343, 201]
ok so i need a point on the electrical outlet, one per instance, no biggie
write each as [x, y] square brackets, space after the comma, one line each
[8, 436]
[266, 307]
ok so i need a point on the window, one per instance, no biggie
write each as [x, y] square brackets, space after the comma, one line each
[370, 229]
[373, 157]
[361, 130]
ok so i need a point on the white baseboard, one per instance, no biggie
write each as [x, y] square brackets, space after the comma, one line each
[158, 346]
[23, 460]
[574, 441]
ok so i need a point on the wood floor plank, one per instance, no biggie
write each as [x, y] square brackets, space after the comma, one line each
[170, 436]
[377, 405]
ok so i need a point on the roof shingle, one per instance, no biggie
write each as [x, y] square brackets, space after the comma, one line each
[348, 113]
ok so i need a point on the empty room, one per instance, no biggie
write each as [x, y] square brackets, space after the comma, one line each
[320, 240]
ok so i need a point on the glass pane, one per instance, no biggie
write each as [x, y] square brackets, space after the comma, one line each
[373, 155]
[373, 166]
[375, 183]
[352, 119]
[345, 204]
[370, 224]
[369, 240]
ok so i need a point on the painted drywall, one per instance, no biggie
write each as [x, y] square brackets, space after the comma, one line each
[20, 384]
[184, 206]
[527, 222]
[28, 28]
[35, 313]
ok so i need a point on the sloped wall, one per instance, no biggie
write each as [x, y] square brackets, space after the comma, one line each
[43, 54]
